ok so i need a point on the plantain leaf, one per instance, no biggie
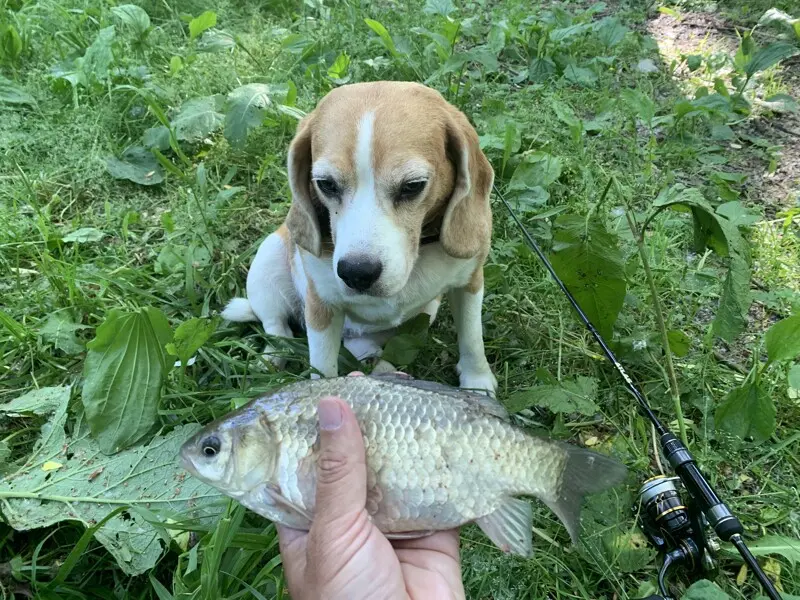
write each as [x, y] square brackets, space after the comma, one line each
[705, 590]
[566, 397]
[133, 16]
[538, 169]
[769, 56]
[89, 485]
[97, 60]
[783, 339]
[411, 338]
[11, 93]
[245, 110]
[747, 411]
[136, 164]
[198, 118]
[588, 259]
[124, 371]
[787, 547]
[383, 34]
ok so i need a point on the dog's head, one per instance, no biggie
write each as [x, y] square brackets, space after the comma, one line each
[372, 166]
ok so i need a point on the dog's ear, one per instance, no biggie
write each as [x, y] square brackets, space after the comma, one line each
[467, 225]
[307, 219]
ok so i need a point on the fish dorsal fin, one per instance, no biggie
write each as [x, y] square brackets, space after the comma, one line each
[477, 400]
[510, 527]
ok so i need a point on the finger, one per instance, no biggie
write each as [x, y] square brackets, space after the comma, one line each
[341, 470]
[355, 374]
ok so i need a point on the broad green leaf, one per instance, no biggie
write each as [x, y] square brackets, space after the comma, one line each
[541, 69]
[90, 485]
[84, 235]
[44, 401]
[694, 61]
[156, 137]
[439, 7]
[245, 109]
[137, 164]
[629, 548]
[411, 338]
[704, 590]
[338, 71]
[737, 214]
[723, 236]
[198, 118]
[773, 16]
[383, 34]
[734, 303]
[10, 43]
[787, 547]
[562, 33]
[201, 23]
[588, 259]
[59, 330]
[783, 339]
[794, 377]
[99, 56]
[216, 40]
[747, 411]
[11, 93]
[133, 16]
[611, 32]
[567, 397]
[580, 75]
[679, 342]
[640, 102]
[769, 56]
[190, 337]
[538, 169]
[123, 374]
[781, 103]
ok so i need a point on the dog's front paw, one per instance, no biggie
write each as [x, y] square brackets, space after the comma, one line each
[478, 378]
[273, 356]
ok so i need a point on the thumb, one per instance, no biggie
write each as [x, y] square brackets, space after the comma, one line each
[341, 469]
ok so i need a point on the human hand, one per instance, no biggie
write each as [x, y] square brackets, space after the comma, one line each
[344, 556]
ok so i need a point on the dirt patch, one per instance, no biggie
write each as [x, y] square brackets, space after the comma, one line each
[776, 136]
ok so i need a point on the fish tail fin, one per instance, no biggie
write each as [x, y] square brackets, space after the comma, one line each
[239, 310]
[584, 473]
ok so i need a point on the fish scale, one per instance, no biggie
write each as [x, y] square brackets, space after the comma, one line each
[437, 457]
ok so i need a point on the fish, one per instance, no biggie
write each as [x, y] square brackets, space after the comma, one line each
[437, 458]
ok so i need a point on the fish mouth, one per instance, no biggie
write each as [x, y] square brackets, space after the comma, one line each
[186, 462]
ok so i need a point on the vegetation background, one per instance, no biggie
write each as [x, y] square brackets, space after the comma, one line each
[653, 149]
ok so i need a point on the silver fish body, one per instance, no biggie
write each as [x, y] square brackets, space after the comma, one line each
[437, 458]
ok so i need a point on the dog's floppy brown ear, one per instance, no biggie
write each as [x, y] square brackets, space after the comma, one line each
[467, 225]
[305, 213]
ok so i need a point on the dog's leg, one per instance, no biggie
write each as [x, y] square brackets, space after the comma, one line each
[370, 346]
[473, 368]
[432, 308]
[271, 292]
[324, 325]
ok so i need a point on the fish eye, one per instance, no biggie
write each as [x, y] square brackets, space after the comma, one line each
[211, 446]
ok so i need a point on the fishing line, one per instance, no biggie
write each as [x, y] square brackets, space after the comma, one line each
[677, 530]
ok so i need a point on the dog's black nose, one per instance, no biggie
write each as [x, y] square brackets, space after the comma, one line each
[359, 273]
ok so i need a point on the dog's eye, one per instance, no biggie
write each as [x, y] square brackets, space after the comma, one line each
[328, 187]
[411, 189]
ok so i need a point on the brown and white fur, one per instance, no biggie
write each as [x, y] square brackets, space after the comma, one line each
[372, 170]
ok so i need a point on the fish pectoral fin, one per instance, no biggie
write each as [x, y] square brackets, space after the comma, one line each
[510, 527]
[408, 535]
[298, 513]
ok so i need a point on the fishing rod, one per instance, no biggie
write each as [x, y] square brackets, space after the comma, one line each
[677, 530]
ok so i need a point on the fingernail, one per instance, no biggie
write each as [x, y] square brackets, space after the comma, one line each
[330, 414]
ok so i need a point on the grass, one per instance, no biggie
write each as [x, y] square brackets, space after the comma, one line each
[183, 247]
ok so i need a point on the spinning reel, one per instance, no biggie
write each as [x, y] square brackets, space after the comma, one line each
[679, 532]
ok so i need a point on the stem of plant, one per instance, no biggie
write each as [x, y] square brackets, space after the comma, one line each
[662, 325]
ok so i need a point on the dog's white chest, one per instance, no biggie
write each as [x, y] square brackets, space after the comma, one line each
[434, 273]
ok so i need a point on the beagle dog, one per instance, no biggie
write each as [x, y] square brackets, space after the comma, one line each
[390, 211]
